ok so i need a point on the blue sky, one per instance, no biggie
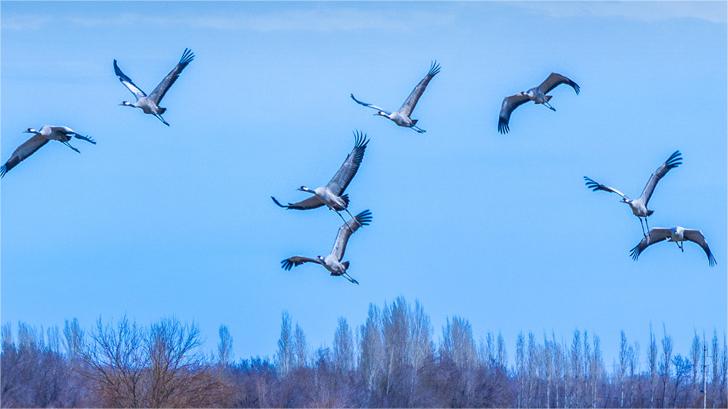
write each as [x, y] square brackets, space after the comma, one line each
[156, 221]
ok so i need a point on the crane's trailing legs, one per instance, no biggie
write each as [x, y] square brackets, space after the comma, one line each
[70, 146]
[351, 280]
[342, 217]
[547, 105]
[418, 129]
[680, 245]
[161, 119]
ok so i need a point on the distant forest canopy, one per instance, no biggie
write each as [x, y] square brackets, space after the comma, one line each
[392, 360]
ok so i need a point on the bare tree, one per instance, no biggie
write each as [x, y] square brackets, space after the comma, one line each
[284, 357]
[115, 360]
[343, 347]
[224, 346]
[665, 361]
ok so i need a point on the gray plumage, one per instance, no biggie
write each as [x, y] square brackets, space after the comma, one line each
[639, 205]
[676, 234]
[150, 104]
[331, 194]
[333, 262]
[535, 94]
[403, 117]
[40, 137]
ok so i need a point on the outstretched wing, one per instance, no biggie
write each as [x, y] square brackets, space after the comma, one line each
[673, 161]
[655, 235]
[163, 87]
[310, 203]
[295, 261]
[414, 96]
[594, 186]
[26, 149]
[372, 106]
[351, 164]
[509, 104]
[347, 229]
[554, 80]
[696, 236]
[128, 83]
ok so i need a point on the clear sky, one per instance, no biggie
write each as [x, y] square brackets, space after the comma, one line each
[156, 221]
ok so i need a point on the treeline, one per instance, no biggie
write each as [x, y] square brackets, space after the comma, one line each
[392, 360]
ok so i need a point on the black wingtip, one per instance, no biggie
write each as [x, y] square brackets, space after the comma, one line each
[278, 203]
[360, 139]
[3, 171]
[117, 70]
[635, 252]
[591, 184]
[357, 101]
[187, 57]
[711, 260]
[577, 88]
[364, 218]
[434, 68]
[503, 127]
[674, 160]
[286, 264]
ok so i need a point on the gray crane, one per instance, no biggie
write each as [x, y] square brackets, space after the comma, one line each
[332, 262]
[150, 104]
[639, 205]
[40, 137]
[678, 235]
[331, 194]
[535, 94]
[403, 117]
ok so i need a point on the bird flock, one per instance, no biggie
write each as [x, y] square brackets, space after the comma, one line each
[332, 193]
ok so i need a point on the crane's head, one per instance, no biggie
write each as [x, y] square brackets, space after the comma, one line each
[126, 104]
[382, 113]
[623, 200]
[320, 258]
[30, 130]
[305, 189]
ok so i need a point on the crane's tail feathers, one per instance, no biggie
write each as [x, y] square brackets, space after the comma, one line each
[434, 69]
[162, 110]
[187, 57]
[548, 97]
[346, 264]
[649, 212]
[345, 198]
[279, 203]
[364, 218]
[674, 160]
